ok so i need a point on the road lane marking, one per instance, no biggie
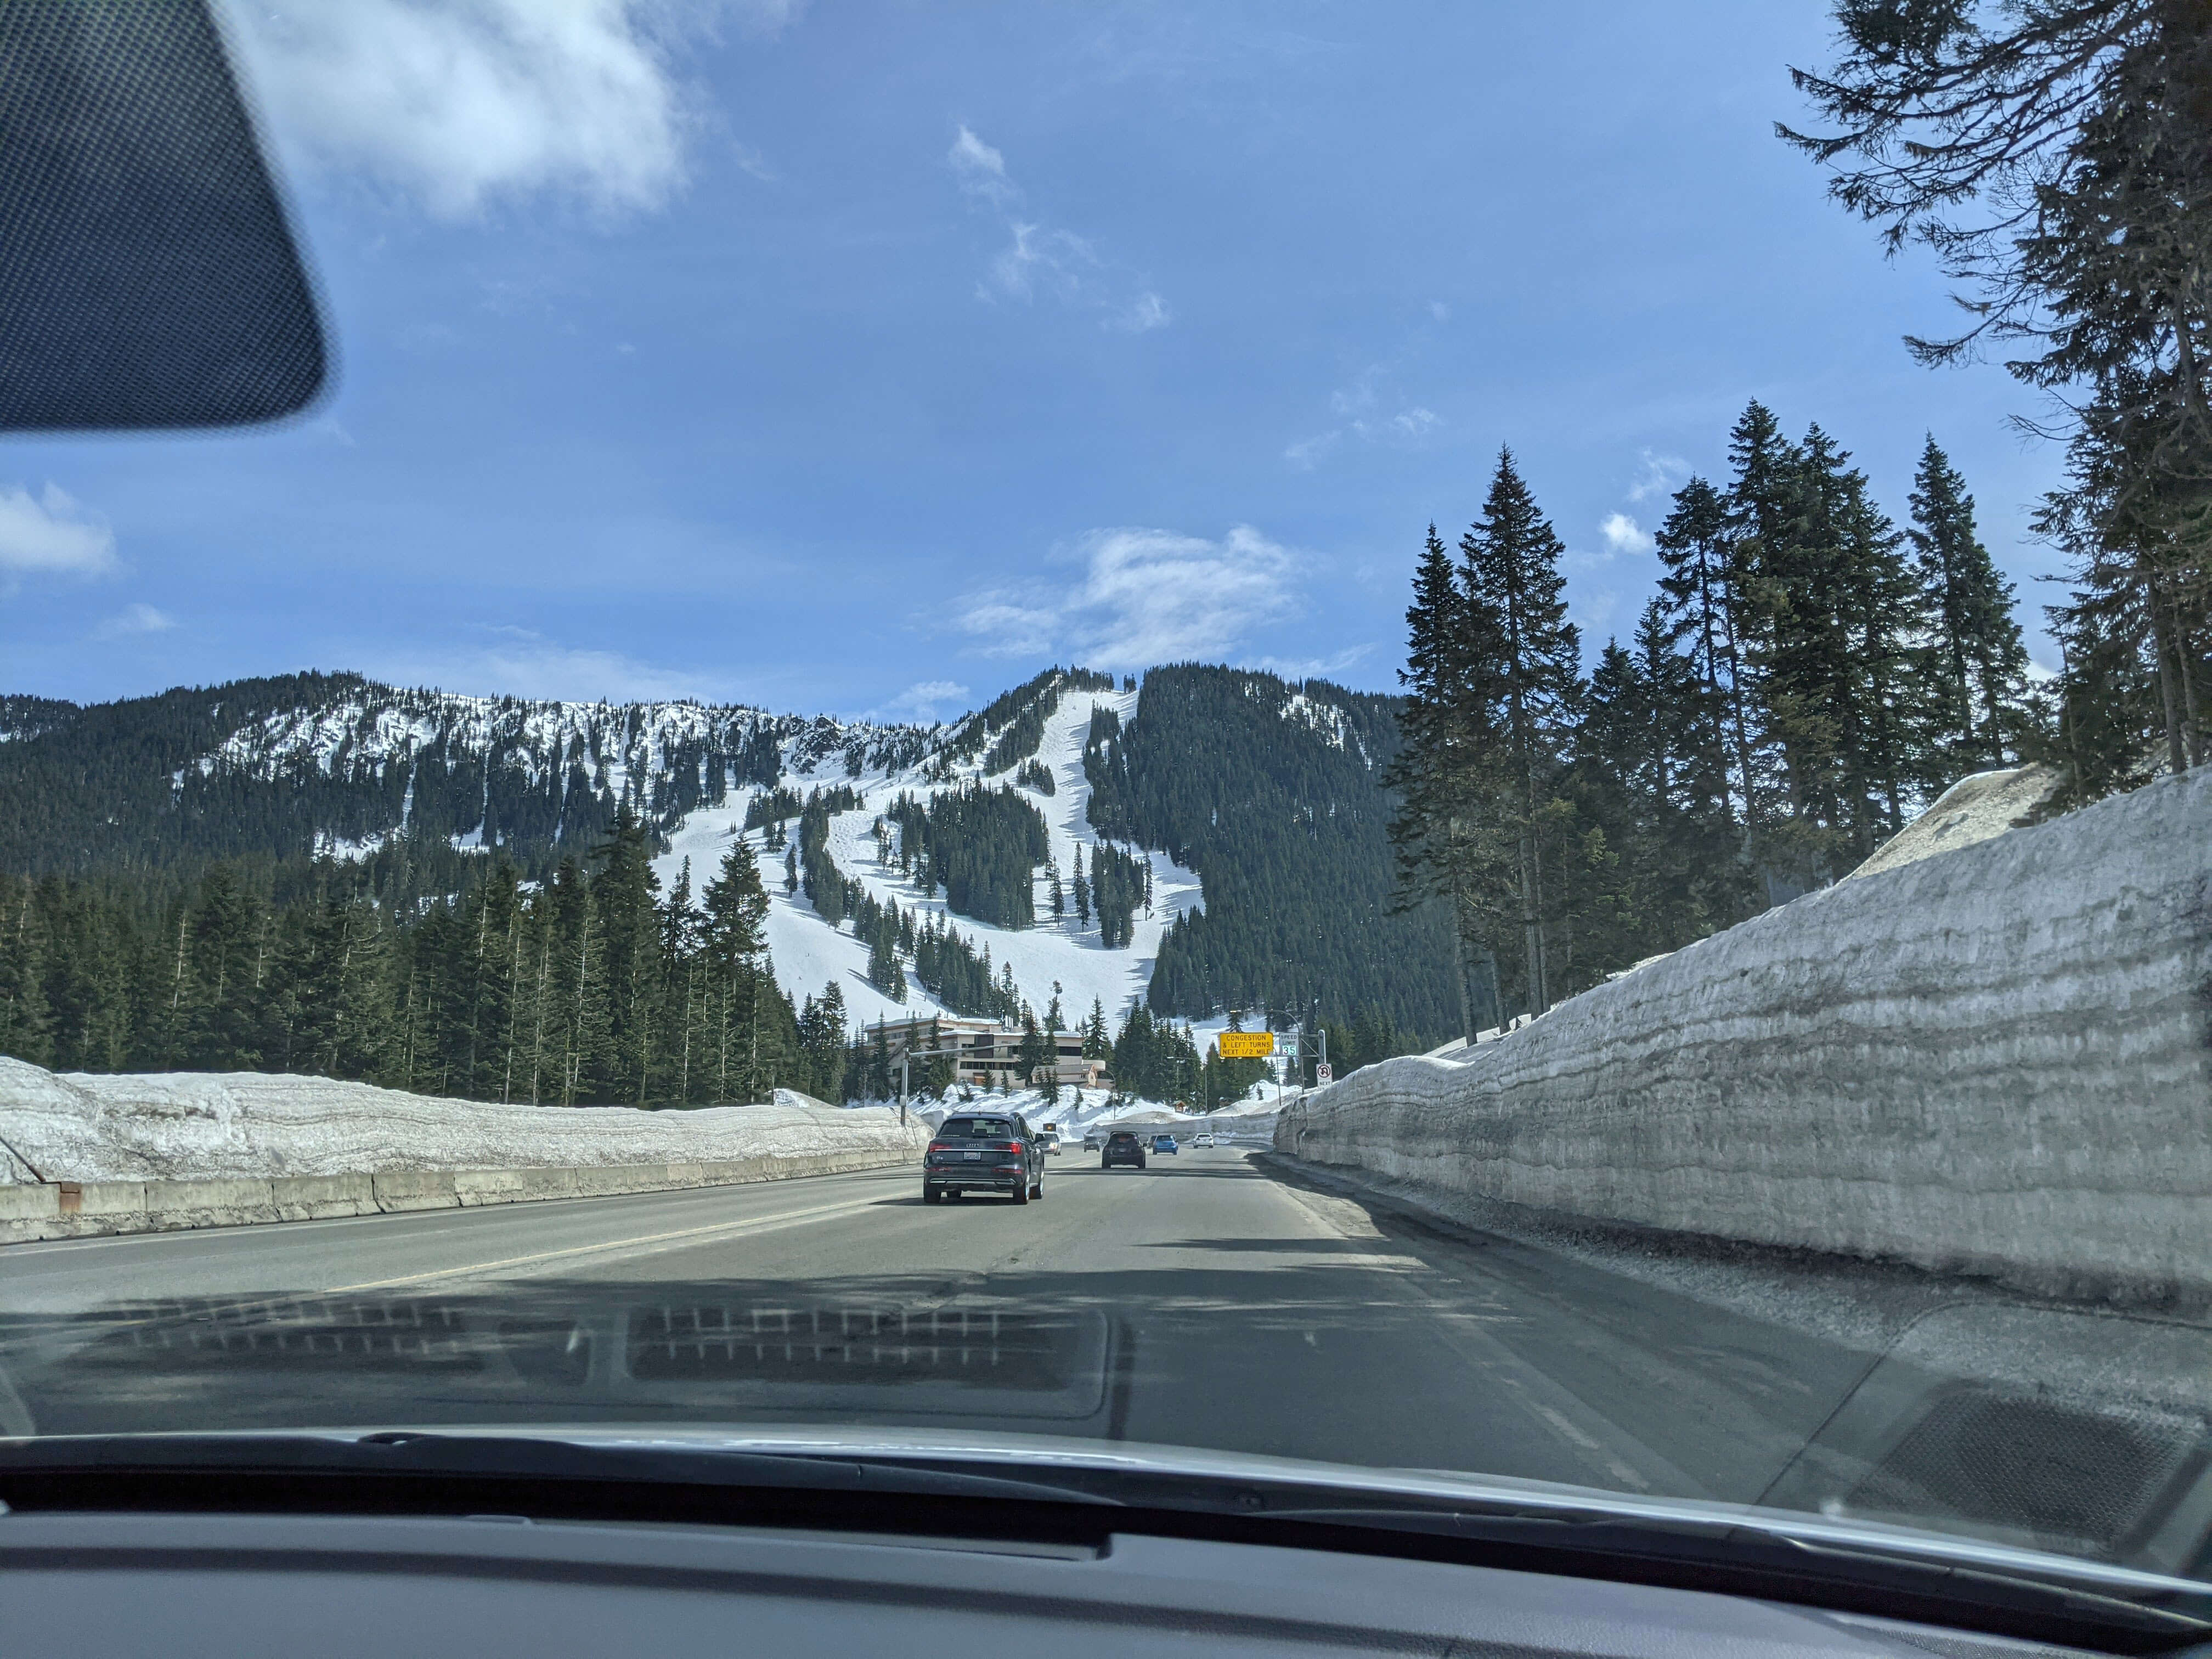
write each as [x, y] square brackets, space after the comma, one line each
[756, 1224]
[1489, 1352]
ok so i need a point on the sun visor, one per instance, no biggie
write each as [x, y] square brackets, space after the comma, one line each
[148, 276]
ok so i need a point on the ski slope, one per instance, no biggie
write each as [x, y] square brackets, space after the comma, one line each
[808, 954]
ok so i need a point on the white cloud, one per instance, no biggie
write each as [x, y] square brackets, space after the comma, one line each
[1146, 312]
[462, 104]
[523, 663]
[50, 534]
[134, 619]
[1307, 668]
[1147, 596]
[981, 169]
[1658, 475]
[751, 160]
[1058, 257]
[1624, 535]
[1440, 311]
[1006, 628]
[1358, 407]
[1039, 256]
[925, 700]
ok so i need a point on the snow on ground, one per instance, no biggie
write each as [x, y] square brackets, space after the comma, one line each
[808, 955]
[213, 1126]
[1081, 1110]
[1974, 808]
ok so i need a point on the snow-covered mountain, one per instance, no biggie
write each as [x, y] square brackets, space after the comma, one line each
[1061, 952]
[1255, 803]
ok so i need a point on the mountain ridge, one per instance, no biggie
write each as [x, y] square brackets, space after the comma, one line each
[404, 793]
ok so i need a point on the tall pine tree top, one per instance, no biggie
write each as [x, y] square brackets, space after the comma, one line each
[1981, 663]
[1516, 600]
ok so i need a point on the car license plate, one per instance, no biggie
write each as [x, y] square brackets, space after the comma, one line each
[971, 1156]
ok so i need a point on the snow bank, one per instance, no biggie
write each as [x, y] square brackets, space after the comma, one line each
[184, 1126]
[1974, 808]
[1996, 1059]
[1078, 1111]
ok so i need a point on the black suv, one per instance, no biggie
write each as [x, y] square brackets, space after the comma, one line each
[1121, 1148]
[983, 1153]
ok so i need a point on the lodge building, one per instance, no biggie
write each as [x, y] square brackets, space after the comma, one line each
[987, 1054]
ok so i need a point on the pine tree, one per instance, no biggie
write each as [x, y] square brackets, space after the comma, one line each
[1509, 569]
[735, 907]
[25, 1021]
[1032, 1053]
[1979, 663]
[623, 899]
[1704, 602]
[219, 1030]
[1448, 743]
[1082, 892]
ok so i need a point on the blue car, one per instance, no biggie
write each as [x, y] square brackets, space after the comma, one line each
[1165, 1144]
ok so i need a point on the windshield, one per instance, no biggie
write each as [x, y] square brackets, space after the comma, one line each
[976, 1128]
[1388, 599]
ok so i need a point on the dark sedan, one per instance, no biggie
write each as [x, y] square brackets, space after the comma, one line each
[983, 1153]
[1121, 1148]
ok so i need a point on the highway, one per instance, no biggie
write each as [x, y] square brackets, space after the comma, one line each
[1207, 1300]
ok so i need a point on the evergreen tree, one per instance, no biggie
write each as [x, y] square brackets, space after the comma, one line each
[823, 1039]
[1979, 663]
[1702, 591]
[623, 899]
[25, 1021]
[1032, 1054]
[2054, 159]
[734, 914]
[218, 1029]
[1448, 738]
[1510, 570]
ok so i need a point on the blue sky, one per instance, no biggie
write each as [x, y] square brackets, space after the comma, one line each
[866, 357]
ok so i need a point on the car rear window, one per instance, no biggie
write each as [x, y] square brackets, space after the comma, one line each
[976, 1128]
[1120, 1134]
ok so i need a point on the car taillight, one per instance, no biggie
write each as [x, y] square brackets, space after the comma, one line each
[1013, 1145]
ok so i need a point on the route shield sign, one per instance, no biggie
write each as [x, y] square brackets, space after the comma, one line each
[1246, 1045]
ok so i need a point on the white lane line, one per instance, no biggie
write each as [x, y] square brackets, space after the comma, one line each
[1493, 1356]
[722, 1229]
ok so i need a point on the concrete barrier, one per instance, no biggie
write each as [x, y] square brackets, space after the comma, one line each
[1997, 1059]
[51, 1209]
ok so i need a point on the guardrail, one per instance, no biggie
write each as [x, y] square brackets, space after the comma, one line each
[71, 1209]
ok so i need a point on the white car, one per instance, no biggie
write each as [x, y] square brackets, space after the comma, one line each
[1203, 1140]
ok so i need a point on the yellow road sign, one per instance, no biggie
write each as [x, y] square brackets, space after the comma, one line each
[1246, 1045]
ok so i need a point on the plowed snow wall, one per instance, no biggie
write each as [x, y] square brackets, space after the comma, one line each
[85, 1154]
[1995, 1060]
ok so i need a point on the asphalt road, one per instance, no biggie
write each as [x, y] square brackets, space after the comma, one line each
[1206, 1300]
